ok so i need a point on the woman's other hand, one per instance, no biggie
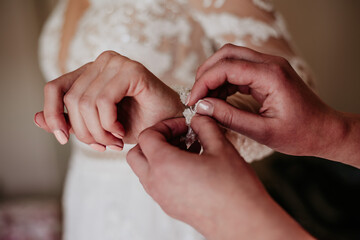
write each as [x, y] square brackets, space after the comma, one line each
[108, 101]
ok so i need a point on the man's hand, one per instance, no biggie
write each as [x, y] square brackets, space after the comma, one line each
[216, 192]
[292, 119]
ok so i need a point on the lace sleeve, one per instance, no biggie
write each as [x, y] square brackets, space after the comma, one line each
[254, 24]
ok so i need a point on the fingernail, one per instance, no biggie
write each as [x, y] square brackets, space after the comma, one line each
[118, 135]
[204, 107]
[60, 136]
[35, 120]
[115, 147]
[98, 147]
[187, 99]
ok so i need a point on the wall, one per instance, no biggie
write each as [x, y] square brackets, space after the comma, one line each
[327, 34]
[30, 161]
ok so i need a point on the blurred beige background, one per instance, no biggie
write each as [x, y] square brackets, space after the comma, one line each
[327, 34]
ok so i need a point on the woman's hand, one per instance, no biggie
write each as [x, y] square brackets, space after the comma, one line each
[216, 192]
[109, 100]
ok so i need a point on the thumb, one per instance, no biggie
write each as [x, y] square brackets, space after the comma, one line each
[243, 122]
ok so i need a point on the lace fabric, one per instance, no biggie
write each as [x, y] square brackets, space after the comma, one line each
[171, 38]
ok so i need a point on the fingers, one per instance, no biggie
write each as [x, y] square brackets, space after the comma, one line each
[106, 103]
[154, 140]
[230, 51]
[236, 72]
[54, 106]
[211, 137]
[39, 120]
[153, 146]
[138, 163]
[77, 103]
[92, 113]
[246, 123]
[127, 82]
[90, 116]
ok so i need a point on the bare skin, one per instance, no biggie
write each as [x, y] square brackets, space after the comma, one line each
[216, 192]
[292, 119]
[108, 101]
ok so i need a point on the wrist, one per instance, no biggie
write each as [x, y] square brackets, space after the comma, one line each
[343, 139]
[180, 107]
[333, 130]
[180, 96]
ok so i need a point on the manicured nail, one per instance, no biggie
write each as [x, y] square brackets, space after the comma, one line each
[115, 147]
[98, 147]
[60, 136]
[187, 99]
[118, 135]
[204, 107]
[35, 120]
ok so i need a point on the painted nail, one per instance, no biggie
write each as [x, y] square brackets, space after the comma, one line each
[115, 147]
[98, 147]
[204, 107]
[35, 120]
[60, 136]
[187, 99]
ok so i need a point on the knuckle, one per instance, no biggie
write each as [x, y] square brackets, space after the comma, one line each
[116, 62]
[50, 87]
[106, 55]
[70, 98]
[134, 66]
[224, 62]
[88, 64]
[227, 118]
[228, 47]
[85, 102]
[102, 100]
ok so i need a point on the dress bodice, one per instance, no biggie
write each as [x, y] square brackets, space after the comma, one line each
[170, 37]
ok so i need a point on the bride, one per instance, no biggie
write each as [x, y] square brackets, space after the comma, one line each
[109, 101]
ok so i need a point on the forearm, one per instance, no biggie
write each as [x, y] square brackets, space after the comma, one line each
[265, 219]
[343, 139]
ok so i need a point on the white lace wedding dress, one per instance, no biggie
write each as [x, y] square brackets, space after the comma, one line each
[103, 199]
